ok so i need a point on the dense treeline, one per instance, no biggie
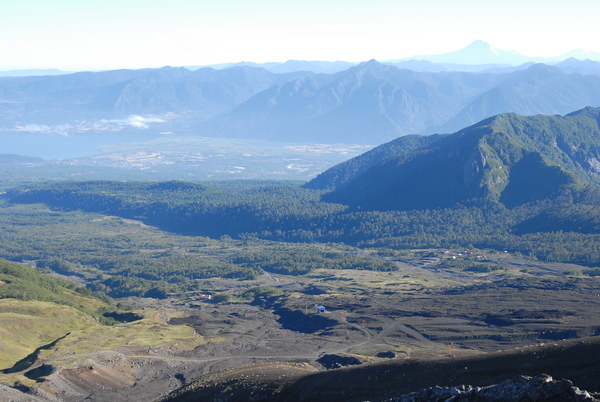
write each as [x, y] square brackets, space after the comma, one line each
[186, 207]
[121, 257]
[549, 231]
[302, 261]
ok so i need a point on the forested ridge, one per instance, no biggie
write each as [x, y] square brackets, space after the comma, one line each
[508, 159]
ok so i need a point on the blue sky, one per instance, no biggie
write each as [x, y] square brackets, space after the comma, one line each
[107, 34]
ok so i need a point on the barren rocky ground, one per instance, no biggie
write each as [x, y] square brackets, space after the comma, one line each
[405, 320]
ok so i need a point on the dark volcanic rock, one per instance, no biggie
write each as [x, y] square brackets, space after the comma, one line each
[297, 321]
[386, 355]
[521, 388]
[337, 361]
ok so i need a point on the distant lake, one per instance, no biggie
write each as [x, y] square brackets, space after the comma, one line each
[64, 147]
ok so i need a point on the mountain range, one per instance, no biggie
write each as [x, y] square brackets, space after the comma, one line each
[369, 103]
[373, 102]
[64, 99]
[540, 89]
[508, 159]
[476, 57]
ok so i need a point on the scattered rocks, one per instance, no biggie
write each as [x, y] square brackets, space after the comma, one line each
[520, 388]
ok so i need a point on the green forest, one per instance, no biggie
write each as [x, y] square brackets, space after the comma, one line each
[238, 229]
[289, 213]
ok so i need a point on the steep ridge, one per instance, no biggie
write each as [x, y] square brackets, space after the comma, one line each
[494, 160]
[340, 174]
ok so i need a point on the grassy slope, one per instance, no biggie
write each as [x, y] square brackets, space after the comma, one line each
[149, 331]
[27, 325]
[78, 337]
[36, 309]
[65, 315]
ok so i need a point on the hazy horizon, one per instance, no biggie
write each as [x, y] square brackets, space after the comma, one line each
[74, 35]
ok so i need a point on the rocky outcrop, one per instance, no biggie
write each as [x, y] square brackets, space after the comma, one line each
[521, 388]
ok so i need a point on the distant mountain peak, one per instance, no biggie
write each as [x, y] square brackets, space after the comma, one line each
[373, 65]
[581, 54]
[480, 48]
[478, 52]
[588, 111]
[540, 71]
[481, 45]
[541, 67]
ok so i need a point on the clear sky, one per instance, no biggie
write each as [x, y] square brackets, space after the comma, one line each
[107, 34]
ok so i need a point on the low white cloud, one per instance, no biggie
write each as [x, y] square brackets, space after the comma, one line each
[36, 128]
[104, 125]
[142, 122]
[42, 129]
